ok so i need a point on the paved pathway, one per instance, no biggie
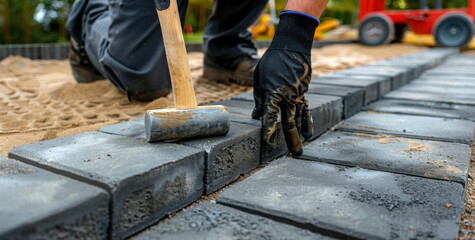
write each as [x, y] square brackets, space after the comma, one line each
[396, 170]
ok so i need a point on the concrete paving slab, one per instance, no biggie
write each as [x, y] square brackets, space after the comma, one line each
[447, 75]
[356, 202]
[427, 88]
[413, 69]
[449, 78]
[418, 127]
[353, 98]
[132, 128]
[327, 111]
[396, 79]
[214, 221]
[455, 71]
[432, 97]
[229, 156]
[37, 204]
[370, 87]
[460, 60]
[240, 112]
[422, 158]
[400, 76]
[445, 83]
[146, 181]
[422, 108]
[384, 83]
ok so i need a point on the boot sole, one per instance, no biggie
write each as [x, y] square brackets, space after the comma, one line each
[225, 76]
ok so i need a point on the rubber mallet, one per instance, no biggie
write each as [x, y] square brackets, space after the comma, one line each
[186, 120]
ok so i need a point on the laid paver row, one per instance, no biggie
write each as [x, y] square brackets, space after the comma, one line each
[386, 180]
[147, 181]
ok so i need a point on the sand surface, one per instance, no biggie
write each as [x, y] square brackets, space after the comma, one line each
[40, 100]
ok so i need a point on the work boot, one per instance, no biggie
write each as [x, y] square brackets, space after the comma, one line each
[82, 69]
[239, 70]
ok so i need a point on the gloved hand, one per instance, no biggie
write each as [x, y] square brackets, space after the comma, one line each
[281, 79]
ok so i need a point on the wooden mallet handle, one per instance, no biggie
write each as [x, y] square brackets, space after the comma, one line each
[177, 58]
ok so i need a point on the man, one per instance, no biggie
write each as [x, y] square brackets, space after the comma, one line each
[121, 40]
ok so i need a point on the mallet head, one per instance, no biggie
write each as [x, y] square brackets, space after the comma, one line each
[167, 124]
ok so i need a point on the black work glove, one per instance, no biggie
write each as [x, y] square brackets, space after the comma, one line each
[281, 79]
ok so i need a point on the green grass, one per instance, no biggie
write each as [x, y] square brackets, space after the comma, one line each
[193, 38]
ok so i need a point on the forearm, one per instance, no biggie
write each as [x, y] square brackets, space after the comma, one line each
[311, 7]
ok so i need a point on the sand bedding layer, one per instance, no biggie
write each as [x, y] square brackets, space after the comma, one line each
[40, 100]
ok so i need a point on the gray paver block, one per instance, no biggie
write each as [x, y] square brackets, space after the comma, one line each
[460, 60]
[356, 202]
[132, 128]
[399, 76]
[423, 158]
[371, 87]
[431, 109]
[420, 127]
[448, 82]
[353, 98]
[432, 97]
[214, 221]
[37, 204]
[427, 88]
[393, 81]
[326, 110]
[229, 156]
[384, 83]
[413, 68]
[240, 112]
[146, 181]
[452, 71]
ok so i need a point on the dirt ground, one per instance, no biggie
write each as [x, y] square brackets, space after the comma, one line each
[467, 224]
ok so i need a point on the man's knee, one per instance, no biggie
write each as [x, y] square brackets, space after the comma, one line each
[149, 87]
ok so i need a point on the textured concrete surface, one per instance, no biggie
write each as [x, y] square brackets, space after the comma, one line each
[371, 87]
[445, 82]
[419, 127]
[355, 202]
[229, 156]
[37, 204]
[146, 181]
[133, 128]
[241, 113]
[326, 110]
[413, 68]
[432, 159]
[452, 71]
[428, 88]
[398, 76]
[214, 221]
[353, 98]
[384, 83]
[460, 60]
[432, 97]
[422, 108]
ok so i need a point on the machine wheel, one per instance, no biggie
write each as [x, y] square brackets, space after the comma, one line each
[399, 32]
[376, 29]
[453, 30]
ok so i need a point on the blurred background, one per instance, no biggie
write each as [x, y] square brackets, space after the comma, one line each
[42, 21]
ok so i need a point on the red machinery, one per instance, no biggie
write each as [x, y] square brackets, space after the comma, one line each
[450, 27]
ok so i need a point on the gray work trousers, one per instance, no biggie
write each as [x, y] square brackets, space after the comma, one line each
[123, 40]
